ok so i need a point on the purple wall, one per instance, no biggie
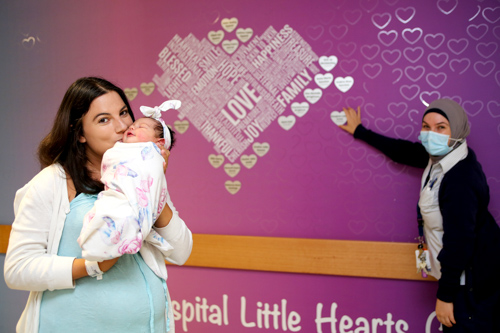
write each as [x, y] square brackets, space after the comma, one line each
[305, 178]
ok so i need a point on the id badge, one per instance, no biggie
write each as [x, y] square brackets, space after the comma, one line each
[422, 261]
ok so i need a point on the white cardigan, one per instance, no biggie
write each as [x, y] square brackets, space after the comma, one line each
[32, 263]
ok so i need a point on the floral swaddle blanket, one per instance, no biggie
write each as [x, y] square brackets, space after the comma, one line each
[123, 215]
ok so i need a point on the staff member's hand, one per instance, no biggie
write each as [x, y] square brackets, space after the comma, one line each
[353, 119]
[444, 313]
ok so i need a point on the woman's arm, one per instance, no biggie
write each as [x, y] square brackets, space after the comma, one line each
[28, 263]
[173, 229]
[400, 151]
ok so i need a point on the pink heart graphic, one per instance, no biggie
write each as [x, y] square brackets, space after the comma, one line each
[387, 37]
[459, 65]
[357, 227]
[405, 15]
[338, 31]
[426, 97]
[347, 49]
[362, 176]
[397, 109]
[315, 32]
[375, 160]
[368, 5]
[384, 125]
[477, 31]
[414, 73]
[332, 99]
[413, 54]
[370, 51]
[486, 50]
[447, 6]
[349, 66]
[400, 71]
[409, 92]
[436, 80]
[352, 16]
[458, 46]
[437, 60]
[354, 102]
[412, 35]
[491, 15]
[457, 99]
[472, 108]
[434, 41]
[372, 70]
[356, 153]
[484, 68]
[381, 20]
[391, 56]
[496, 31]
[494, 108]
[404, 132]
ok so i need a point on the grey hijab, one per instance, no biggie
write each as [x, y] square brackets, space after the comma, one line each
[459, 124]
[455, 114]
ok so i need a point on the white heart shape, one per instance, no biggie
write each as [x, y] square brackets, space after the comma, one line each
[216, 36]
[344, 83]
[300, 109]
[244, 34]
[232, 187]
[338, 117]
[232, 169]
[215, 160]
[313, 95]
[229, 24]
[147, 88]
[261, 149]
[248, 160]
[230, 45]
[181, 126]
[286, 122]
[323, 80]
[131, 93]
[328, 63]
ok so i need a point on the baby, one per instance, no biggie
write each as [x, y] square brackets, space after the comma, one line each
[135, 192]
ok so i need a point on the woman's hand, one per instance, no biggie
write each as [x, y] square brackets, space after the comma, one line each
[164, 219]
[353, 119]
[166, 154]
[444, 313]
[107, 264]
[80, 271]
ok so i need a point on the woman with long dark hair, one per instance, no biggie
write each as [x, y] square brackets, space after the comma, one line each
[43, 256]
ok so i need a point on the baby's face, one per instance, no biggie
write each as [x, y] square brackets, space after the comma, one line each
[142, 130]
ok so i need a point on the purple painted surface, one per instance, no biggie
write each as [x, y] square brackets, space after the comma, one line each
[314, 181]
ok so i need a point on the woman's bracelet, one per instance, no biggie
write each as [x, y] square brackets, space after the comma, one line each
[93, 269]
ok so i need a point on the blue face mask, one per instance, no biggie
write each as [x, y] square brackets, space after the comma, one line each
[436, 144]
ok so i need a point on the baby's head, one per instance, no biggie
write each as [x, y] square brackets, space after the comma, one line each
[148, 129]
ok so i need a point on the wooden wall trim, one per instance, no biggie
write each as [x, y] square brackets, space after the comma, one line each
[389, 260]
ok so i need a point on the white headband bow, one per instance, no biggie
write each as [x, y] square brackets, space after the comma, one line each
[155, 113]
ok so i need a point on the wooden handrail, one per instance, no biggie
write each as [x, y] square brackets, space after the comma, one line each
[389, 260]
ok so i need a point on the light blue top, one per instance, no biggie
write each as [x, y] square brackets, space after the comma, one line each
[129, 298]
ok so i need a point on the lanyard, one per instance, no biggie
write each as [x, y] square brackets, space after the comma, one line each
[422, 255]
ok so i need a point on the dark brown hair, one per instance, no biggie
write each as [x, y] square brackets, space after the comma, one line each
[62, 144]
[160, 133]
